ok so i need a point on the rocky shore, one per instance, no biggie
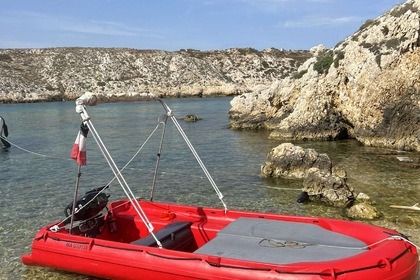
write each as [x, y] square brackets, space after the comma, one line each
[367, 87]
[31, 75]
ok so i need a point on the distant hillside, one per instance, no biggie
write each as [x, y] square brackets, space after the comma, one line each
[367, 87]
[29, 75]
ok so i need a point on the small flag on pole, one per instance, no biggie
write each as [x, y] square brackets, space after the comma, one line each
[78, 152]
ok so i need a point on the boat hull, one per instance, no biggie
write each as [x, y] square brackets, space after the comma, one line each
[115, 255]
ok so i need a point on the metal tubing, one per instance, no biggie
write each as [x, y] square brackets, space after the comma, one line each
[76, 189]
[158, 158]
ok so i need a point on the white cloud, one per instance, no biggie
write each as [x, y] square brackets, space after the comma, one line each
[311, 21]
[97, 27]
[72, 24]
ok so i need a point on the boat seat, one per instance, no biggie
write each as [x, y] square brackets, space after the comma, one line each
[174, 236]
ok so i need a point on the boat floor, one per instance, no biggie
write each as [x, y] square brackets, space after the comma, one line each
[280, 242]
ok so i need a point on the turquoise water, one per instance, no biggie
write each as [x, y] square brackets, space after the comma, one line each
[36, 185]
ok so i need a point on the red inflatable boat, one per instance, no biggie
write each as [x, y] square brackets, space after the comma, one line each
[139, 239]
[199, 243]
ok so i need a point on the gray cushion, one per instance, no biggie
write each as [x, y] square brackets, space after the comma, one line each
[280, 242]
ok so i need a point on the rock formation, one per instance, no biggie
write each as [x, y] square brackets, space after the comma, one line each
[327, 187]
[290, 161]
[29, 75]
[321, 180]
[367, 87]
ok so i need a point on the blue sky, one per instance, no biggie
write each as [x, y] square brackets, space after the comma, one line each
[181, 24]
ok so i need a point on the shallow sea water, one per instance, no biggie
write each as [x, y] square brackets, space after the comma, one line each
[37, 183]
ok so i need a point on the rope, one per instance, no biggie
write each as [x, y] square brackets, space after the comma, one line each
[60, 157]
[283, 189]
[136, 153]
[406, 240]
[31, 152]
[272, 243]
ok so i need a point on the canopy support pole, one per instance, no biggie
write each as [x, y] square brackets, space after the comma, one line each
[194, 152]
[76, 189]
[158, 157]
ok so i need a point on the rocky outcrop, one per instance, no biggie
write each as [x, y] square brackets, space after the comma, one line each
[367, 88]
[322, 181]
[29, 75]
[290, 161]
[327, 187]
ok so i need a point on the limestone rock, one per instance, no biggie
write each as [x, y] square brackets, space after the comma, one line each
[321, 180]
[290, 161]
[54, 74]
[367, 87]
[326, 187]
[362, 197]
[363, 211]
[317, 50]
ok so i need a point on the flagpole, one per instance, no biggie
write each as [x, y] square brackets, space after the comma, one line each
[76, 189]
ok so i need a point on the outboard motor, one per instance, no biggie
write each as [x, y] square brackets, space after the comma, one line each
[87, 206]
[87, 212]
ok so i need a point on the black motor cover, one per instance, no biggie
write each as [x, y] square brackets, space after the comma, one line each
[91, 209]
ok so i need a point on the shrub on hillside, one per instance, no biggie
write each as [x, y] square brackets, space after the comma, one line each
[324, 62]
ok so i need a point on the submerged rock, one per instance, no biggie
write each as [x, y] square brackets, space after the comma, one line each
[363, 211]
[191, 118]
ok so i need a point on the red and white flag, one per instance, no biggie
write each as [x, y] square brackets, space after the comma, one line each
[78, 152]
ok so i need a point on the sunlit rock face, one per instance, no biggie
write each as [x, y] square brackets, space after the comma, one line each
[367, 88]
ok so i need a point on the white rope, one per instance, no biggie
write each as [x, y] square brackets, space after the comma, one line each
[406, 240]
[31, 152]
[136, 153]
[283, 189]
[301, 245]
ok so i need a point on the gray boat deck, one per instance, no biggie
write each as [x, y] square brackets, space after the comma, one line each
[280, 242]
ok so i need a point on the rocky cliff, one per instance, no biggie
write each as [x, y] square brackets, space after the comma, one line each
[367, 87]
[28, 75]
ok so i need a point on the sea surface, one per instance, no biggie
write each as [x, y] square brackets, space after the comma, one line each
[38, 178]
